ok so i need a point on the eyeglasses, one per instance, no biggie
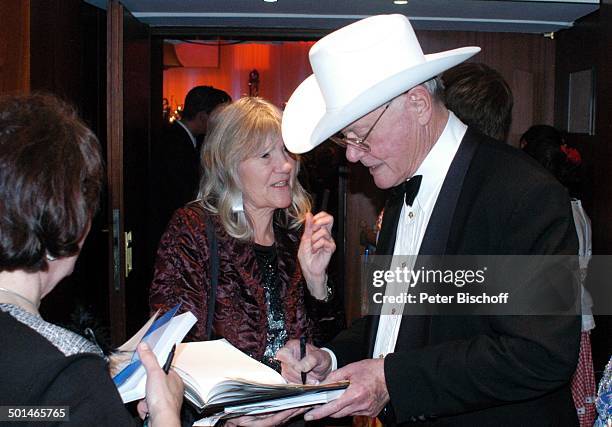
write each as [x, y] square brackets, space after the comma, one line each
[358, 143]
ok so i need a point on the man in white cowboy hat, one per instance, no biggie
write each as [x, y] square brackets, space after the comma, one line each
[372, 82]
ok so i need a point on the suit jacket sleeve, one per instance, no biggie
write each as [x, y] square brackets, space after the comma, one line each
[521, 357]
[350, 345]
[181, 272]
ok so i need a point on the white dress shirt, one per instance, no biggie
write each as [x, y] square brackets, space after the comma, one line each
[412, 225]
[585, 252]
[193, 140]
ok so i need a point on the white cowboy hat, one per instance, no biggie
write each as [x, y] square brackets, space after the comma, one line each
[357, 69]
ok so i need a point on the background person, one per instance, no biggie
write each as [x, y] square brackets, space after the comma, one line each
[176, 161]
[50, 179]
[453, 195]
[545, 144]
[480, 97]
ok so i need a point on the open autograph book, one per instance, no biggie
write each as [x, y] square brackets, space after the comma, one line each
[223, 382]
[160, 333]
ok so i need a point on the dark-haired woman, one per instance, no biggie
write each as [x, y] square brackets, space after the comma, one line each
[50, 179]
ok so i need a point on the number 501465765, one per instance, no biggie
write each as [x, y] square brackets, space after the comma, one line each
[34, 413]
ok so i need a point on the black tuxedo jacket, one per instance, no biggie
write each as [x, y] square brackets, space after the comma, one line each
[175, 175]
[482, 370]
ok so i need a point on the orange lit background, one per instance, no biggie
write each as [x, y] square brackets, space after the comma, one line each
[281, 66]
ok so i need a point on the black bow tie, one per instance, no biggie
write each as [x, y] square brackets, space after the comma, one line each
[409, 189]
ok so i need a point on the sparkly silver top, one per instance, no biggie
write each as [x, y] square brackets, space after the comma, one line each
[604, 398]
[64, 340]
[276, 336]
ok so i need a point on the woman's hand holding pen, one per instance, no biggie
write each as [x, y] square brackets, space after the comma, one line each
[164, 392]
[315, 251]
[317, 363]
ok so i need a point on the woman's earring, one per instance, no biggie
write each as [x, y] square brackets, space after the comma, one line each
[237, 205]
[50, 257]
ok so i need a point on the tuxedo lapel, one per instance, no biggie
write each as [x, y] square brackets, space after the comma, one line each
[386, 238]
[435, 239]
[384, 246]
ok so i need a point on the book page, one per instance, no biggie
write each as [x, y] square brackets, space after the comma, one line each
[205, 364]
[274, 405]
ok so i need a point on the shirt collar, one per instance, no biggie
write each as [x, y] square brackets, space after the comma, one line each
[193, 140]
[437, 162]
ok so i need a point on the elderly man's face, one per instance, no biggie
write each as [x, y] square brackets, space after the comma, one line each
[395, 143]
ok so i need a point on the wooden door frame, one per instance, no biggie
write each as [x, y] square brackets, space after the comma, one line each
[114, 156]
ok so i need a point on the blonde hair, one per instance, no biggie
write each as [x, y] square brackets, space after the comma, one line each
[236, 132]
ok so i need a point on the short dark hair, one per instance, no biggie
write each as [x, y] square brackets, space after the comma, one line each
[203, 98]
[51, 174]
[480, 97]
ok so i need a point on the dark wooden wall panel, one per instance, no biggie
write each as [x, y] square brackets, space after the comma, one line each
[55, 47]
[514, 56]
[14, 46]
[136, 148]
[67, 57]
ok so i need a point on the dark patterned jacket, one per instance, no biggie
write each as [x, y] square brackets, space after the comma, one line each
[182, 275]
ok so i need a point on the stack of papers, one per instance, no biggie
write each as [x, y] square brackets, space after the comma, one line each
[223, 382]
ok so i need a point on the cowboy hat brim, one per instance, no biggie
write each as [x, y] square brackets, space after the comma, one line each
[307, 122]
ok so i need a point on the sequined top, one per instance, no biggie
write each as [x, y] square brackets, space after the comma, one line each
[604, 398]
[276, 336]
[64, 340]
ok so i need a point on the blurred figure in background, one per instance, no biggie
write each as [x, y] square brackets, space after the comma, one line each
[545, 144]
[176, 165]
[480, 97]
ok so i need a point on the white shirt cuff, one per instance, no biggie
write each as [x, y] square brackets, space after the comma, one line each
[334, 361]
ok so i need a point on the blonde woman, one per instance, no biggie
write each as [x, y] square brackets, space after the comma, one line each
[272, 252]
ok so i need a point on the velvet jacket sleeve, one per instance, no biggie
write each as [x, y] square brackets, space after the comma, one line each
[181, 270]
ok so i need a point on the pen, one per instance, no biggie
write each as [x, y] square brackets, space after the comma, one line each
[168, 363]
[302, 355]
[166, 369]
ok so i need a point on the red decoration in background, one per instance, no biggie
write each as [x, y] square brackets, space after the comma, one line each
[573, 155]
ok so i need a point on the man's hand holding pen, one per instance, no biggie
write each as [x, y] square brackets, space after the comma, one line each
[316, 363]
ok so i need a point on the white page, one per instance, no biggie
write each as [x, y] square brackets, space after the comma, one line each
[211, 362]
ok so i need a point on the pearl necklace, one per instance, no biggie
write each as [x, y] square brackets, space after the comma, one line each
[31, 303]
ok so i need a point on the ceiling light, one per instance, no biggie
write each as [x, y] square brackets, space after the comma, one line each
[400, 1]
[270, 1]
